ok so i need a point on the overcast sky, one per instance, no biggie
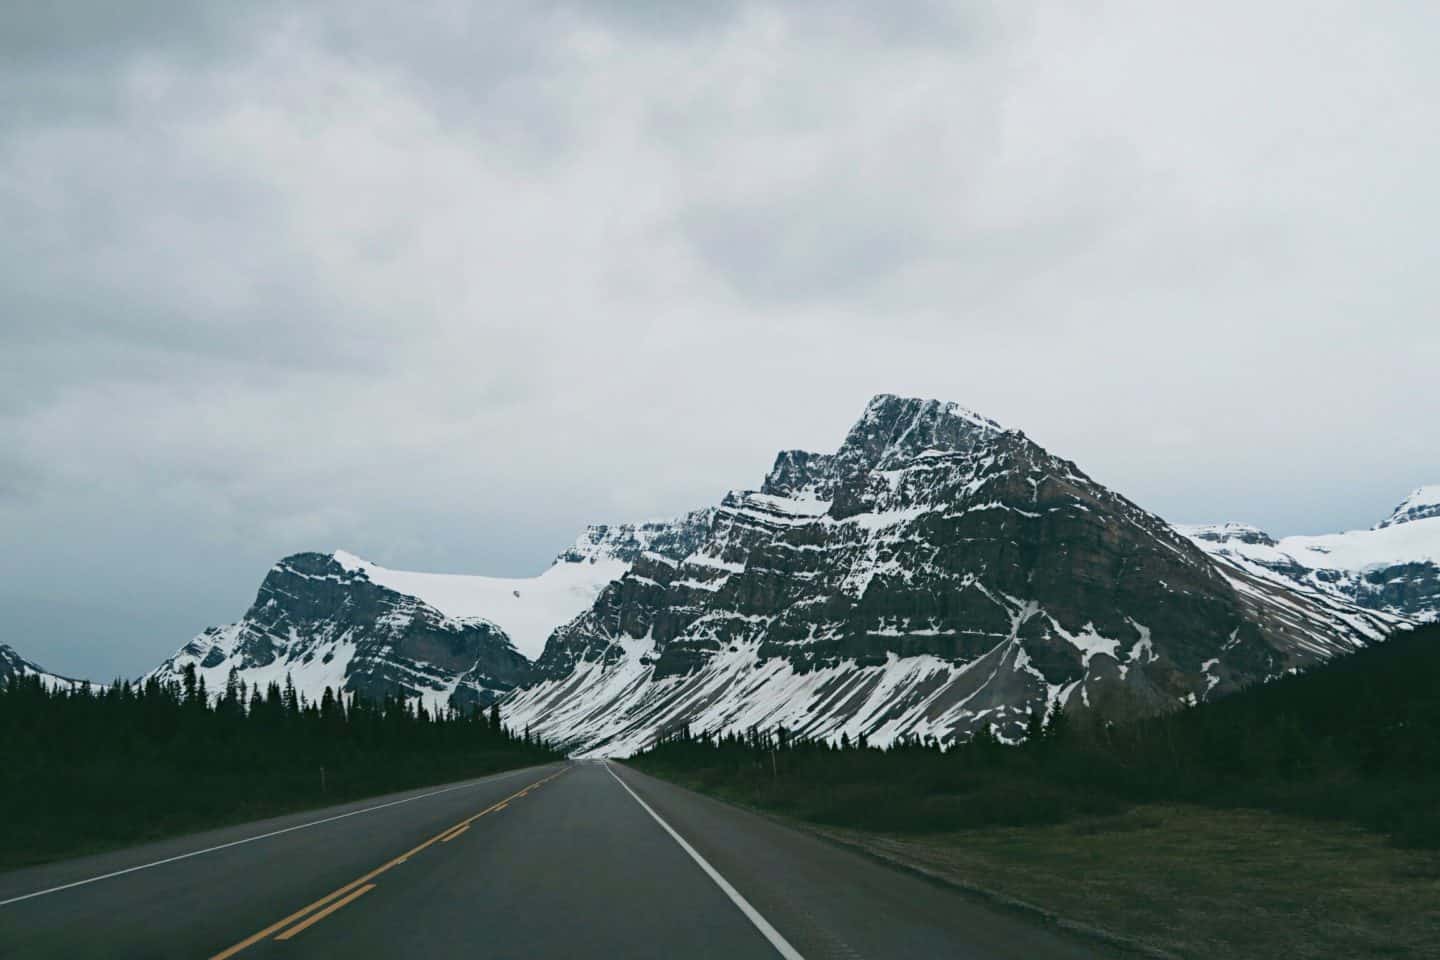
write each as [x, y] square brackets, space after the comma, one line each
[440, 284]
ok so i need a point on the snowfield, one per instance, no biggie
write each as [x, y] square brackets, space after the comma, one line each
[1417, 541]
[526, 608]
[1393, 566]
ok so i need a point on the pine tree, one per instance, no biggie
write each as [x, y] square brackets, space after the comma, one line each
[188, 680]
[1035, 725]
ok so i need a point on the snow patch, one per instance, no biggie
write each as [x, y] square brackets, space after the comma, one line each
[528, 609]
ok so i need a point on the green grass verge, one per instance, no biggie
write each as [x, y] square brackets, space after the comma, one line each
[1201, 883]
[1183, 880]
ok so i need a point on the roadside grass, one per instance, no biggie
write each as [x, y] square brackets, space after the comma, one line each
[1187, 881]
[1199, 882]
[1298, 818]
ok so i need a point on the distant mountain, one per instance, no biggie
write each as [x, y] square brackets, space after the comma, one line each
[335, 620]
[936, 574]
[14, 665]
[1392, 567]
[1422, 504]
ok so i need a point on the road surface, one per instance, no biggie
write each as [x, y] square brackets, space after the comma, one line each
[562, 861]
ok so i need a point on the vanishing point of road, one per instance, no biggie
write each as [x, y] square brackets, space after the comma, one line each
[569, 861]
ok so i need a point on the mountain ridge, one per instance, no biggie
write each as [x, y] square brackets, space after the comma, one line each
[934, 575]
[1392, 567]
[337, 620]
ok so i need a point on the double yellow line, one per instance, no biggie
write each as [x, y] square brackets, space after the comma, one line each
[355, 889]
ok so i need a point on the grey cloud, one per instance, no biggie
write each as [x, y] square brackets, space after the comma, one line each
[798, 250]
[69, 31]
[924, 23]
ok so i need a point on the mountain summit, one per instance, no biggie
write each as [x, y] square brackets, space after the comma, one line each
[1422, 504]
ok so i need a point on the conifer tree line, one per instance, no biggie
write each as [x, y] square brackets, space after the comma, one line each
[87, 768]
[1357, 739]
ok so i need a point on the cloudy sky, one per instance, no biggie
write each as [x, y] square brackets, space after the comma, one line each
[441, 283]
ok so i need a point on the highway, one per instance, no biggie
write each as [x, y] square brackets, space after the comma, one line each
[570, 860]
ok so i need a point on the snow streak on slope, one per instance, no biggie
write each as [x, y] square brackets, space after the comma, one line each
[616, 709]
[526, 609]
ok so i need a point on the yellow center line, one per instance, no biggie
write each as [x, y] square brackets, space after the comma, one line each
[255, 938]
[316, 918]
[454, 833]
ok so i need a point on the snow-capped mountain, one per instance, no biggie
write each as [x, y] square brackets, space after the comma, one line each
[935, 574]
[1393, 567]
[1422, 504]
[14, 665]
[336, 620]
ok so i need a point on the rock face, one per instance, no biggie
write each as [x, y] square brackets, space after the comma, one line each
[1393, 567]
[935, 574]
[625, 542]
[335, 620]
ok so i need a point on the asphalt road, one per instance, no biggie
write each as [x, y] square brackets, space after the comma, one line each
[562, 861]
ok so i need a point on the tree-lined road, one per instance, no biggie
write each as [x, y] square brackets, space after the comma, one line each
[567, 860]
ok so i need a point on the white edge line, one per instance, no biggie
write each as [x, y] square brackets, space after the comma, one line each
[262, 836]
[781, 945]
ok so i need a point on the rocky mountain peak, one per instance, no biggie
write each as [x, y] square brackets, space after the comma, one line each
[935, 575]
[891, 433]
[894, 429]
[800, 473]
[1422, 504]
[627, 541]
[1229, 532]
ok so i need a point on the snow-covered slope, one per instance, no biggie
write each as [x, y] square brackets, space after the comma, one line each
[526, 609]
[339, 621]
[1394, 566]
[936, 574]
